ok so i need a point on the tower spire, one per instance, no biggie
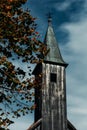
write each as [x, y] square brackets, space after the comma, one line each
[54, 54]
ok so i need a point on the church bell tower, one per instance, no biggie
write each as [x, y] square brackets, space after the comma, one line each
[51, 98]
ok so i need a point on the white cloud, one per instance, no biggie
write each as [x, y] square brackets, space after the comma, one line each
[78, 37]
[62, 6]
[76, 56]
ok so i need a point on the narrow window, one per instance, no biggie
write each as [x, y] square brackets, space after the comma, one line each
[53, 77]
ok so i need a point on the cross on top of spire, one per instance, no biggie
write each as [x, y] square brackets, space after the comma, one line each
[49, 18]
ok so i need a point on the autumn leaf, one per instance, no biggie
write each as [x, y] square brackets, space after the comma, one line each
[19, 45]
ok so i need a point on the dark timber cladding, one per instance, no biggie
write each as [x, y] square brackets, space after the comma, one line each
[53, 99]
[51, 105]
[50, 95]
[54, 86]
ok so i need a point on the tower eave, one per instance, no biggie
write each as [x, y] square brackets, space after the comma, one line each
[37, 69]
[56, 63]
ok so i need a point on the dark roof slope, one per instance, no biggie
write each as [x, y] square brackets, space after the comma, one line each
[70, 126]
[54, 54]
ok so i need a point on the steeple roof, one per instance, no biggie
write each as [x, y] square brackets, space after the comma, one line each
[54, 54]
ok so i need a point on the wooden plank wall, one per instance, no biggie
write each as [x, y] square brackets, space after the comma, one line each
[53, 98]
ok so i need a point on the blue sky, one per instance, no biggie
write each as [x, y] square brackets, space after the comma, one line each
[70, 26]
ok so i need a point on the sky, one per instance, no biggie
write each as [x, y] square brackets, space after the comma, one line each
[70, 27]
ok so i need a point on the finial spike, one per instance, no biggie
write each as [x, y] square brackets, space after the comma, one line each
[49, 18]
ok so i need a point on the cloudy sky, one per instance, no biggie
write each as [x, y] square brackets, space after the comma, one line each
[70, 26]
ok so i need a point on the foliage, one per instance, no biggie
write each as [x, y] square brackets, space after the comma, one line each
[19, 41]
